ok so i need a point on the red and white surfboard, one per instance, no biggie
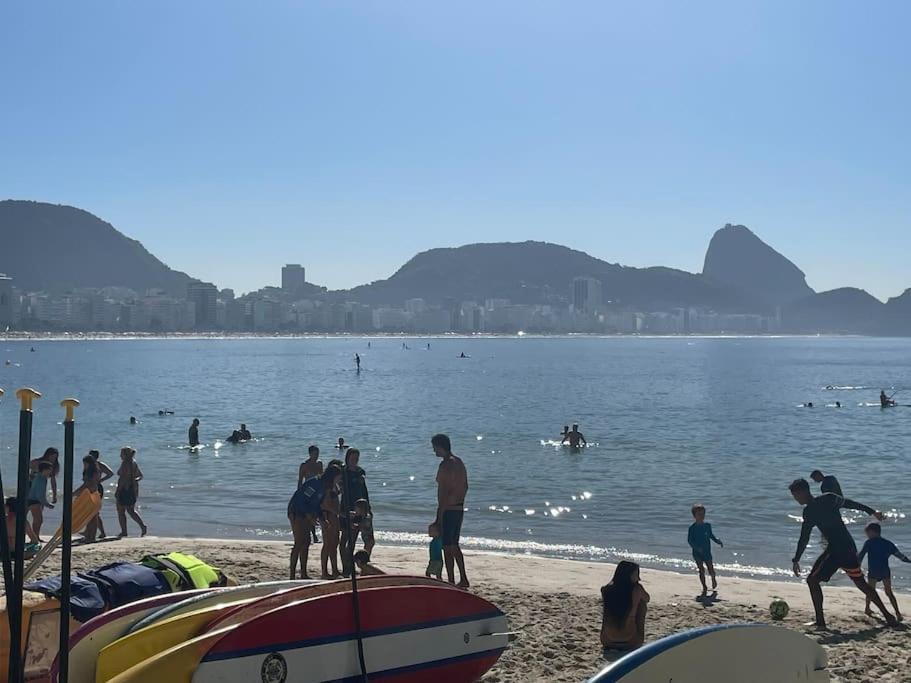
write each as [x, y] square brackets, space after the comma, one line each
[411, 634]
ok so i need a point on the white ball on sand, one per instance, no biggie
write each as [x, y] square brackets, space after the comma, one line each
[779, 609]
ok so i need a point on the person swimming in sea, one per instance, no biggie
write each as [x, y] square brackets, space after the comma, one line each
[885, 401]
[193, 433]
[575, 437]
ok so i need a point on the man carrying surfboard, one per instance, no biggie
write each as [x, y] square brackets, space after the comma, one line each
[452, 486]
[824, 512]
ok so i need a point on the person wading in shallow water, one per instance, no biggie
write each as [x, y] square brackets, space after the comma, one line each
[840, 552]
[193, 434]
[452, 486]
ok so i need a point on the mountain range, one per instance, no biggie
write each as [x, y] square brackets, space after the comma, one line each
[47, 247]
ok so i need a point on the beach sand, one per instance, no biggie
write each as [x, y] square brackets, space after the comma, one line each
[554, 604]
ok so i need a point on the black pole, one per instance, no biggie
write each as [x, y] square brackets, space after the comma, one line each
[4, 544]
[63, 651]
[14, 599]
[349, 550]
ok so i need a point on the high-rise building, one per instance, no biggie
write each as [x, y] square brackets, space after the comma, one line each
[586, 294]
[203, 296]
[6, 300]
[293, 278]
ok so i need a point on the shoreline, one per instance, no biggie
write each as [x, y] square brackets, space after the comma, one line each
[554, 604]
[200, 336]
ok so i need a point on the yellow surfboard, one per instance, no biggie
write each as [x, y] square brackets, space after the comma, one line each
[130, 650]
[176, 665]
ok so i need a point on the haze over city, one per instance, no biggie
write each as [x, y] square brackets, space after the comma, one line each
[231, 138]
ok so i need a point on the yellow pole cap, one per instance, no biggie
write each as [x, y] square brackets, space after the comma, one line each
[26, 396]
[70, 404]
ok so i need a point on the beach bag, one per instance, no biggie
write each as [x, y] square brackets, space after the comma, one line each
[124, 582]
[307, 499]
[86, 600]
[185, 572]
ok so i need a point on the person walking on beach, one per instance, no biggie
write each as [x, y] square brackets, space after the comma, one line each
[625, 604]
[700, 538]
[824, 513]
[878, 550]
[575, 438]
[127, 494]
[91, 479]
[827, 482]
[452, 486]
[354, 489]
[193, 434]
[105, 473]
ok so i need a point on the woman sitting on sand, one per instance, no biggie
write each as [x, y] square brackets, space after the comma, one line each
[625, 604]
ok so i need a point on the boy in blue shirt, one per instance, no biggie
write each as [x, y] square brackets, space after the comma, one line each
[878, 551]
[699, 537]
[435, 566]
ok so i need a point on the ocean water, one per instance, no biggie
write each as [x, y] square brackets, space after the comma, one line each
[670, 422]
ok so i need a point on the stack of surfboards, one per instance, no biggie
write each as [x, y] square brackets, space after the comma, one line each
[412, 629]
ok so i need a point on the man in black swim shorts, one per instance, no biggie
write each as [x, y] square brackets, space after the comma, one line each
[452, 485]
[824, 512]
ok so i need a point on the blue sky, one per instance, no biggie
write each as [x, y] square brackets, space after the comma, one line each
[232, 137]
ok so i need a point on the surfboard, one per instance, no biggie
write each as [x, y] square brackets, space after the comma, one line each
[746, 653]
[164, 634]
[411, 634]
[243, 613]
[95, 634]
[197, 602]
[85, 506]
[129, 650]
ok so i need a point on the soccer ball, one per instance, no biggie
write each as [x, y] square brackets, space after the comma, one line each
[779, 609]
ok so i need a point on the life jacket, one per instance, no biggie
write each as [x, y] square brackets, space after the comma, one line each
[307, 499]
[185, 572]
[121, 583]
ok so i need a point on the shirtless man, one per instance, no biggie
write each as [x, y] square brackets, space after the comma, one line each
[452, 485]
[575, 438]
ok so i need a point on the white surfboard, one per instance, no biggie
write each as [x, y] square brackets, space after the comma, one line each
[746, 653]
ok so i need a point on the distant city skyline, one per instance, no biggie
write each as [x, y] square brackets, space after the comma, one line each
[232, 139]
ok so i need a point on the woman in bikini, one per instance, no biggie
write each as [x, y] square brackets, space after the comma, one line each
[129, 475]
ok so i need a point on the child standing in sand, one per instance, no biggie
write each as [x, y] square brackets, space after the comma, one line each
[127, 493]
[700, 537]
[878, 551]
[435, 566]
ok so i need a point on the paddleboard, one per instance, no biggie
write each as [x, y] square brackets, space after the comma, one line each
[87, 641]
[411, 634]
[243, 613]
[746, 653]
[197, 602]
[134, 647]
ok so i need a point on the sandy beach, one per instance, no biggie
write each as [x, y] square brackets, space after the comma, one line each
[554, 605]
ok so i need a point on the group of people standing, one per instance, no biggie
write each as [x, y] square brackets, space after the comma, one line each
[336, 499]
[43, 473]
